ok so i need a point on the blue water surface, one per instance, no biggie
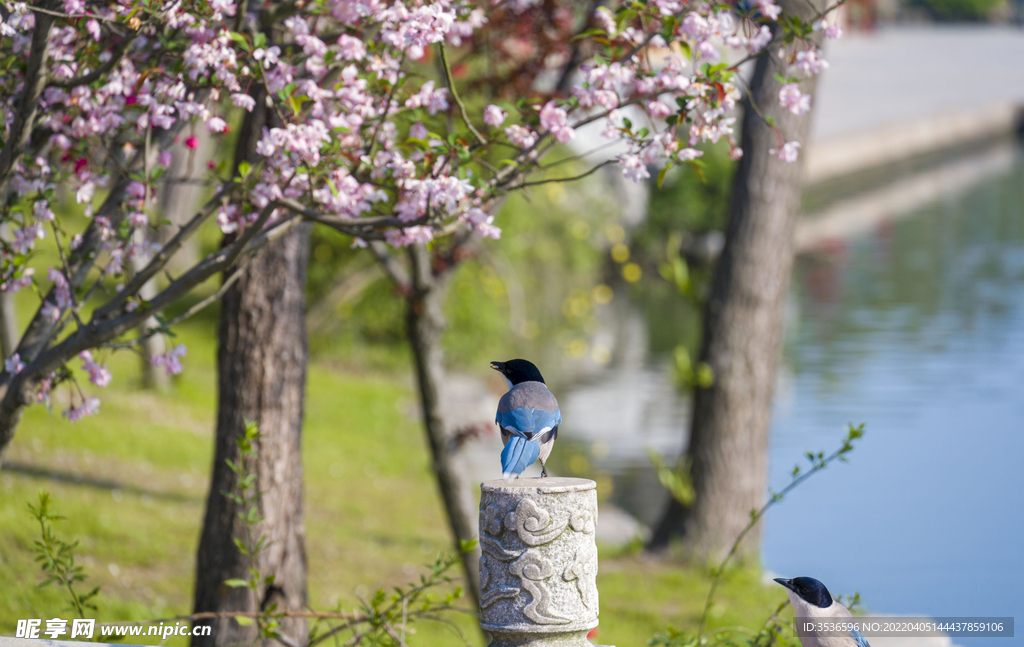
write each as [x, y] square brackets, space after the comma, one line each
[916, 330]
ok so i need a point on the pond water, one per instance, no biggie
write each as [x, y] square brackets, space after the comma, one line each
[915, 328]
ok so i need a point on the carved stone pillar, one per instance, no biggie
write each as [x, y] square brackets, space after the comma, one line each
[538, 566]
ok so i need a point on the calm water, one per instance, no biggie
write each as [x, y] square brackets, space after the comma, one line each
[915, 328]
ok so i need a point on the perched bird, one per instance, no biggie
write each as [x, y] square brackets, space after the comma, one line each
[812, 601]
[528, 416]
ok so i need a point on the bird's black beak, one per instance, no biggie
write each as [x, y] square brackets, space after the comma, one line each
[786, 583]
[498, 366]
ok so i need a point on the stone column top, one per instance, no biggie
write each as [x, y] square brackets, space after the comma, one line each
[551, 484]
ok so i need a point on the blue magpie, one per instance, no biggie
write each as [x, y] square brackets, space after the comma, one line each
[811, 600]
[528, 416]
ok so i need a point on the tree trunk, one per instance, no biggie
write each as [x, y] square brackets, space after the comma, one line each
[425, 322]
[728, 446]
[261, 362]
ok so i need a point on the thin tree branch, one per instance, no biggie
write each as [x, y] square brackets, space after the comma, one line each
[572, 178]
[455, 95]
[163, 256]
[228, 282]
[116, 55]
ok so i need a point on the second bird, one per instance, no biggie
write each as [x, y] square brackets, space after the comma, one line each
[528, 416]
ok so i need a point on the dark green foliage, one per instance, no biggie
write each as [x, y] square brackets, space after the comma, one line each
[959, 10]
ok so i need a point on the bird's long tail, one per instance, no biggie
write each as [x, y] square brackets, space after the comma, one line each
[518, 454]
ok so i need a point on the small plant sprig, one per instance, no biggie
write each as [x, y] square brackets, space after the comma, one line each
[57, 558]
[775, 631]
[384, 618]
[247, 496]
[818, 462]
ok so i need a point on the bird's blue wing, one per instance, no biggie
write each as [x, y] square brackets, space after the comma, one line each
[859, 638]
[518, 454]
[529, 421]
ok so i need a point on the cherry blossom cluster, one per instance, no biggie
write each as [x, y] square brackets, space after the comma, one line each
[370, 127]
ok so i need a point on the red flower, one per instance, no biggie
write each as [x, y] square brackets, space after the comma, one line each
[192, 142]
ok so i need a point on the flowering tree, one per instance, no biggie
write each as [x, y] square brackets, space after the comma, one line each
[391, 122]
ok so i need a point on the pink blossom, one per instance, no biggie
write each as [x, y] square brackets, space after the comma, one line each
[606, 20]
[521, 136]
[25, 238]
[192, 143]
[633, 167]
[74, 6]
[98, 373]
[171, 360]
[89, 407]
[657, 109]
[136, 190]
[13, 365]
[793, 100]
[268, 56]
[85, 192]
[418, 131]
[225, 7]
[834, 31]
[243, 101]
[760, 40]
[481, 222]
[769, 9]
[351, 48]
[556, 121]
[61, 288]
[50, 311]
[165, 158]
[494, 116]
[43, 392]
[216, 125]
[409, 236]
[809, 62]
[788, 153]
[93, 28]
[433, 100]
[688, 154]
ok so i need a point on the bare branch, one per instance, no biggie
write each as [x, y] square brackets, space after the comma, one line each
[163, 256]
[228, 282]
[565, 179]
[455, 95]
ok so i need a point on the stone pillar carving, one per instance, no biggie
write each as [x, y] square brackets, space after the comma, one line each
[538, 564]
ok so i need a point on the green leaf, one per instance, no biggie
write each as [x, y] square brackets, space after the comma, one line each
[240, 39]
[662, 172]
[468, 545]
[244, 621]
[236, 583]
